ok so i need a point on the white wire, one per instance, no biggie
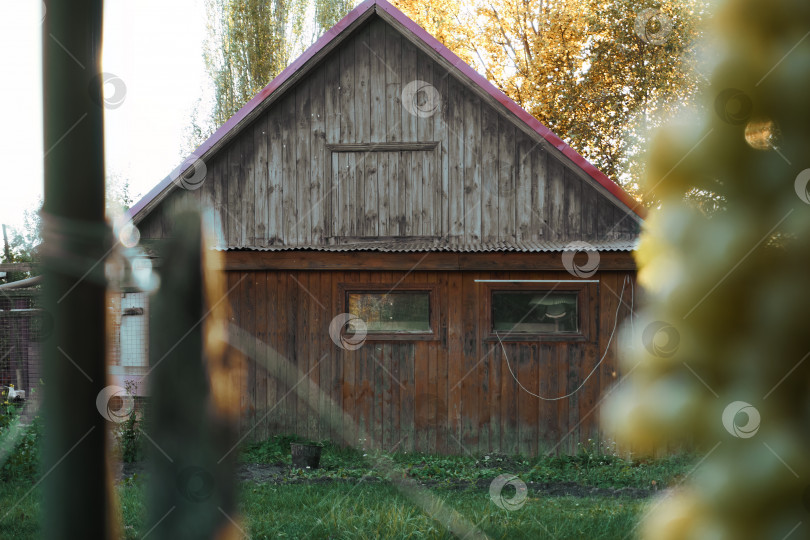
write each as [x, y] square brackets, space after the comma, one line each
[607, 348]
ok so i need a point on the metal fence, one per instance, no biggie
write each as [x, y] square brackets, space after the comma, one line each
[23, 326]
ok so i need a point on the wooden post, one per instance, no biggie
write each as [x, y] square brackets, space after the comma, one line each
[194, 397]
[77, 495]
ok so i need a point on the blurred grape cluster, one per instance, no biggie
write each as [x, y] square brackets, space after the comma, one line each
[718, 358]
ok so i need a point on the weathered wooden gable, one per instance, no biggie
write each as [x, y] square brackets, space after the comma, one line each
[340, 158]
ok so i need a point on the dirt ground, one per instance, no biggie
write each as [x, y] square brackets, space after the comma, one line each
[279, 473]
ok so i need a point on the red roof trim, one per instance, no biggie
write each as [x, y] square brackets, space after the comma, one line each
[445, 53]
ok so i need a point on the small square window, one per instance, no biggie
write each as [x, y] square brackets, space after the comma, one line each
[400, 312]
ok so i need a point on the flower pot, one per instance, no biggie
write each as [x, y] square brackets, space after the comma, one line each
[305, 455]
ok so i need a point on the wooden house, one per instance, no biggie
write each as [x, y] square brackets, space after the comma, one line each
[380, 176]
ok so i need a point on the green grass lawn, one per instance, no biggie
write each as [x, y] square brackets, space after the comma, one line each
[349, 497]
[350, 510]
[588, 467]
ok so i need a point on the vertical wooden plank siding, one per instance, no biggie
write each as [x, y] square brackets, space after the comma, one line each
[539, 175]
[337, 413]
[424, 132]
[248, 294]
[347, 113]
[351, 390]
[484, 376]
[313, 352]
[233, 212]
[303, 225]
[506, 181]
[605, 229]
[575, 357]
[280, 307]
[529, 410]
[588, 204]
[573, 205]
[555, 200]
[275, 177]
[234, 296]
[563, 388]
[456, 394]
[247, 181]
[523, 192]
[383, 394]
[393, 86]
[364, 210]
[390, 214]
[432, 391]
[409, 174]
[407, 413]
[489, 174]
[547, 431]
[329, 191]
[318, 170]
[455, 136]
[454, 361]
[472, 168]
[421, 389]
[590, 393]
[440, 82]
[268, 306]
[261, 140]
[377, 127]
[371, 198]
[220, 196]
[289, 188]
[362, 87]
[292, 336]
[377, 81]
[469, 362]
[325, 348]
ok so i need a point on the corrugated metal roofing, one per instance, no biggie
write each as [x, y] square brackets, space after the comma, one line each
[458, 246]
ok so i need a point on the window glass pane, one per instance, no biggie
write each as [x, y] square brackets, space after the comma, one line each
[404, 311]
[534, 312]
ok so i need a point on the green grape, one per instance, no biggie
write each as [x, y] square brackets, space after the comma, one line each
[720, 356]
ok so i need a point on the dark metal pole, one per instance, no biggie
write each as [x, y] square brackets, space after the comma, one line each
[75, 481]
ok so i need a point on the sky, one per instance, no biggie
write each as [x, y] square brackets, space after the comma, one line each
[153, 46]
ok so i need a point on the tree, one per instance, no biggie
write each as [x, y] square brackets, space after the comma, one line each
[329, 12]
[21, 244]
[249, 43]
[447, 21]
[599, 73]
[119, 196]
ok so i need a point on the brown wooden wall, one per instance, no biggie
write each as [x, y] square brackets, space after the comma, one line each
[282, 181]
[452, 395]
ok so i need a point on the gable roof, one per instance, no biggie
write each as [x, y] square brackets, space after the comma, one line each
[420, 37]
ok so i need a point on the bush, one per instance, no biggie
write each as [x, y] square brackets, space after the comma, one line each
[22, 460]
[130, 440]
